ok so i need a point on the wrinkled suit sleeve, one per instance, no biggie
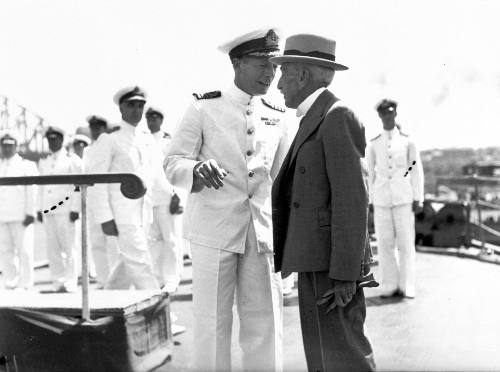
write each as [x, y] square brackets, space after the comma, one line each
[344, 146]
[184, 149]
[417, 172]
[98, 195]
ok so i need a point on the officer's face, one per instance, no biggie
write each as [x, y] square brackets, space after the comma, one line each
[96, 131]
[254, 75]
[289, 86]
[8, 150]
[55, 142]
[78, 147]
[388, 118]
[154, 121]
[132, 111]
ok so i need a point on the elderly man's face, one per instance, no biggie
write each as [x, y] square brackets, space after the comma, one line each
[254, 75]
[132, 111]
[288, 84]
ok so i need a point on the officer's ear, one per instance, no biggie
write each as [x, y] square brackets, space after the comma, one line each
[236, 62]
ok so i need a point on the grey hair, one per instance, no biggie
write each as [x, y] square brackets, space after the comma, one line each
[320, 76]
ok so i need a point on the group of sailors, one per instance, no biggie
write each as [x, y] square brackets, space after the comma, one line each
[132, 242]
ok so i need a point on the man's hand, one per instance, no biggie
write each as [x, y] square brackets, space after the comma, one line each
[210, 175]
[370, 207]
[109, 228]
[416, 206]
[73, 216]
[28, 220]
[39, 216]
[340, 295]
[175, 205]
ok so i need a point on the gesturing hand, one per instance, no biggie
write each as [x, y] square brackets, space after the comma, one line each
[209, 173]
[28, 220]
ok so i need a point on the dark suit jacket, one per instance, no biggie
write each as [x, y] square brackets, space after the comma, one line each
[319, 197]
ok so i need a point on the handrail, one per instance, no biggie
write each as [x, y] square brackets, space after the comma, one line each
[131, 186]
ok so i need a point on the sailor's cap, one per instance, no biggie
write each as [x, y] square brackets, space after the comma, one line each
[96, 120]
[81, 138]
[258, 43]
[131, 93]
[8, 137]
[152, 109]
[53, 131]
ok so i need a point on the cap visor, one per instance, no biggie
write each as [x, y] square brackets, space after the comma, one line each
[135, 98]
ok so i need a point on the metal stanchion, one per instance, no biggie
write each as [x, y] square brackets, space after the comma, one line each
[484, 249]
[85, 257]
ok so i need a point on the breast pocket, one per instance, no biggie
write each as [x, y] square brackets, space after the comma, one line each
[400, 157]
[267, 140]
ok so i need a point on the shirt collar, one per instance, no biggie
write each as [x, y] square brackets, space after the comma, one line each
[308, 102]
[236, 94]
[390, 133]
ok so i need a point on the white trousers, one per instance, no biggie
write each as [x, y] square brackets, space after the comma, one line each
[133, 267]
[60, 233]
[165, 244]
[395, 227]
[16, 254]
[104, 251]
[217, 276]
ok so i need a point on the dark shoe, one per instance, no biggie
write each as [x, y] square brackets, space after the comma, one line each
[396, 293]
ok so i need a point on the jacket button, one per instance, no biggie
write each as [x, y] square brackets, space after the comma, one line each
[296, 204]
[250, 196]
[250, 174]
[302, 170]
[250, 131]
[249, 112]
[249, 152]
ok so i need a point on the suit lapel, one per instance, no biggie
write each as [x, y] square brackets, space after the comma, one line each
[312, 120]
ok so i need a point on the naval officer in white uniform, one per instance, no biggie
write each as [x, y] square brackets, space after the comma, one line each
[396, 192]
[227, 150]
[17, 211]
[58, 208]
[129, 149]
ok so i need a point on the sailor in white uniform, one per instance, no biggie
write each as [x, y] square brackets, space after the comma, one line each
[396, 192]
[227, 150]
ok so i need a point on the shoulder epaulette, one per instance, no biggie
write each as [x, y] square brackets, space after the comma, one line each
[374, 138]
[208, 95]
[166, 135]
[274, 107]
[403, 134]
[114, 129]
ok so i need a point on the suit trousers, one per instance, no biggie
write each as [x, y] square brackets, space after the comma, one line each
[165, 244]
[60, 233]
[217, 276]
[16, 255]
[134, 266]
[395, 227]
[337, 341]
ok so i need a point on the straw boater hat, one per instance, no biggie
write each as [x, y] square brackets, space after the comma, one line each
[306, 48]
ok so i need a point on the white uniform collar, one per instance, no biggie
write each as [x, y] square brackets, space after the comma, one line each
[390, 133]
[236, 94]
[308, 102]
[158, 134]
[129, 127]
[59, 153]
[12, 159]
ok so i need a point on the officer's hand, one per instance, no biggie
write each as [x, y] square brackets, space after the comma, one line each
[370, 207]
[209, 173]
[109, 228]
[39, 216]
[28, 220]
[416, 206]
[73, 216]
[344, 291]
[175, 205]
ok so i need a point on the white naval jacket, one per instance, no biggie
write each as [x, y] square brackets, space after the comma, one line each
[17, 201]
[389, 157]
[59, 163]
[248, 138]
[127, 150]
[162, 192]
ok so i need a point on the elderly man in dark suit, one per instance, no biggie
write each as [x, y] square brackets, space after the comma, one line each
[320, 208]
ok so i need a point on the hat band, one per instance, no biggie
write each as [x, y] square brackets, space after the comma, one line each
[315, 54]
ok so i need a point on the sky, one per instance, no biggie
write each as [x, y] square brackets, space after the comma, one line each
[65, 59]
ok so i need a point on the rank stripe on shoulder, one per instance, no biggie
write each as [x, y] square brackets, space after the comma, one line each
[274, 107]
[208, 95]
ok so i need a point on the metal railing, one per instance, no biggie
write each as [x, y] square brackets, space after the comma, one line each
[131, 186]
